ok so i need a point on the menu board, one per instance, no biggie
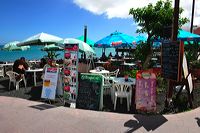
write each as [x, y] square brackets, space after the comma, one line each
[50, 83]
[70, 73]
[89, 92]
[145, 93]
[171, 60]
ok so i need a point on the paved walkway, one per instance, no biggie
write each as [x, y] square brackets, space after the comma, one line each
[23, 116]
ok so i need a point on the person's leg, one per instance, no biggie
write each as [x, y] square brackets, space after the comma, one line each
[19, 77]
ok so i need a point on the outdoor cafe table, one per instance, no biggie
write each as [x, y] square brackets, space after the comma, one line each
[34, 61]
[120, 80]
[100, 63]
[7, 64]
[34, 71]
[128, 64]
[103, 72]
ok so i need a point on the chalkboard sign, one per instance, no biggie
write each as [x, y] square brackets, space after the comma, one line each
[171, 60]
[89, 91]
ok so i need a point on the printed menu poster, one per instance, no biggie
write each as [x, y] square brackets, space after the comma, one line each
[145, 95]
[70, 72]
[50, 83]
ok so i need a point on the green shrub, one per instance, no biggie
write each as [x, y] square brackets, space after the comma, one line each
[130, 73]
[161, 84]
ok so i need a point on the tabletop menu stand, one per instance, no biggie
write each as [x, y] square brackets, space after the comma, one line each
[70, 69]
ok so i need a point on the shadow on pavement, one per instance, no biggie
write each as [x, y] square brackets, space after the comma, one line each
[148, 122]
[43, 106]
[198, 121]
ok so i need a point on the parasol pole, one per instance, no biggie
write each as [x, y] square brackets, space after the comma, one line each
[173, 38]
[192, 17]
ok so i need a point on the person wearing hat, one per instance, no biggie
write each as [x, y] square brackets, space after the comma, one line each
[50, 63]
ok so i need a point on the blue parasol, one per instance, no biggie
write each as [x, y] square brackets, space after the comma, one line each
[141, 38]
[187, 36]
[117, 39]
[183, 36]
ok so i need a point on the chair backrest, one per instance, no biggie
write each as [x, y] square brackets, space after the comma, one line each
[1, 71]
[12, 75]
[114, 73]
[106, 80]
[120, 88]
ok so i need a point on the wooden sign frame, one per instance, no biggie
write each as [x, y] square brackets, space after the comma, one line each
[90, 92]
[186, 81]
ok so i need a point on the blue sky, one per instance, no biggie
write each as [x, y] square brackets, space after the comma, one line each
[20, 19]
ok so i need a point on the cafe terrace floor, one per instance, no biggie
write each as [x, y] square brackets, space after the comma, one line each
[25, 116]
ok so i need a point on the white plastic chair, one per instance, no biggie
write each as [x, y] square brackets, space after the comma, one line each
[12, 76]
[1, 71]
[106, 84]
[121, 91]
[113, 74]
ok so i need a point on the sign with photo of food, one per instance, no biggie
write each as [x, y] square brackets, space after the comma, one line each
[70, 73]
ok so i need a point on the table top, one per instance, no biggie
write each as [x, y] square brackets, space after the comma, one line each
[128, 64]
[7, 64]
[35, 70]
[101, 62]
[128, 58]
[154, 59]
[34, 61]
[121, 80]
[99, 72]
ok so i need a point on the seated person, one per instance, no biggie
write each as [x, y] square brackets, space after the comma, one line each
[103, 57]
[81, 59]
[50, 63]
[110, 55]
[19, 67]
[117, 55]
[25, 64]
[122, 55]
[60, 62]
[42, 62]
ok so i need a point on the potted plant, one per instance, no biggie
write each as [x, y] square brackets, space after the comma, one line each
[126, 75]
[195, 68]
[130, 73]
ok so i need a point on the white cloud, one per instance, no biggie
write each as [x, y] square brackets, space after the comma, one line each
[111, 8]
[120, 8]
[187, 6]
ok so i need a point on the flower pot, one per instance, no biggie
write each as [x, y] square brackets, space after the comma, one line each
[195, 72]
[126, 78]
